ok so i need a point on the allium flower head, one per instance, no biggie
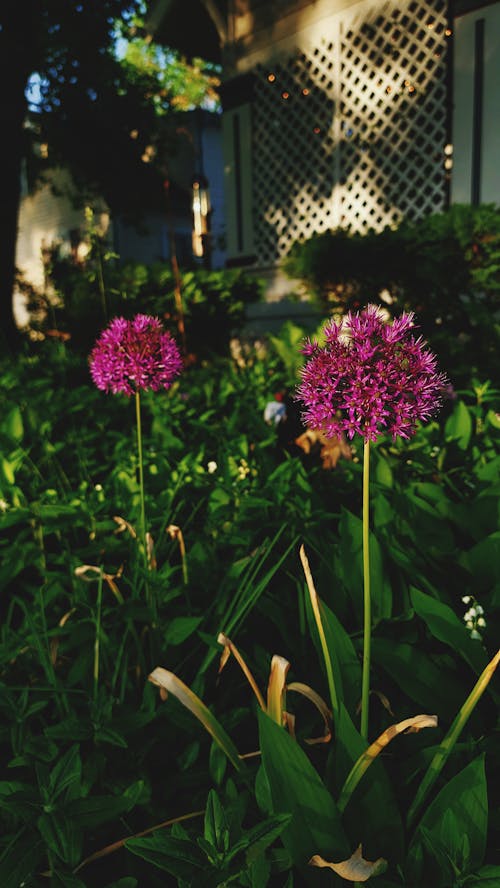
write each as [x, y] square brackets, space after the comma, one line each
[370, 377]
[133, 355]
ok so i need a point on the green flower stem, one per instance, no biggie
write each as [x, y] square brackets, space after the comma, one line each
[142, 529]
[141, 476]
[365, 684]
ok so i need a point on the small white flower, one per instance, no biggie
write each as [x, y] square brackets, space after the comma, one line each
[3, 505]
[475, 634]
[211, 467]
[479, 609]
[469, 624]
[481, 622]
[466, 599]
[98, 487]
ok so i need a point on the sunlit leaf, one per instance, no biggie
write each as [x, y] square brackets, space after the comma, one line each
[173, 685]
[408, 726]
[276, 688]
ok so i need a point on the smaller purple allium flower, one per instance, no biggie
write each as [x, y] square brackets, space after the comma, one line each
[134, 355]
[370, 377]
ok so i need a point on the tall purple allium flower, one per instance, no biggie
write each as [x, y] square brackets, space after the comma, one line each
[134, 355]
[370, 377]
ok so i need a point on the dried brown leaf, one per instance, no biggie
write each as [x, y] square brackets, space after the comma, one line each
[355, 869]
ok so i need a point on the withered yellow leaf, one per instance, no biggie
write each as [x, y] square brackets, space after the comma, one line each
[355, 869]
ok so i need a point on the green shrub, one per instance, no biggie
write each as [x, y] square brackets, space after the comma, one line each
[444, 267]
[212, 303]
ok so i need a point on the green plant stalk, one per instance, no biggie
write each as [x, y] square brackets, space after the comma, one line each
[97, 635]
[367, 618]
[451, 738]
[321, 632]
[142, 525]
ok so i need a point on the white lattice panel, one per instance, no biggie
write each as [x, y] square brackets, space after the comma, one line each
[351, 131]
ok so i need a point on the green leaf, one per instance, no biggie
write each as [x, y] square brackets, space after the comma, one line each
[433, 687]
[486, 877]
[180, 628]
[95, 810]
[179, 857]
[173, 685]
[216, 830]
[444, 625]
[13, 425]
[459, 426]
[62, 835]
[255, 841]
[217, 763]
[351, 551]
[345, 662]
[20, 860]
[383, 472]
[456, 822]
[296, 789]
[372, 816]
[65, 777]
[483, 561]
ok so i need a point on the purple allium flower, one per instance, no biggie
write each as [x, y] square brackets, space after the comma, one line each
[370, 377]
[133, 355]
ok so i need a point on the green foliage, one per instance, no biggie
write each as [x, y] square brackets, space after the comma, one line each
[213, 302]
[444, 267]
[93, 758]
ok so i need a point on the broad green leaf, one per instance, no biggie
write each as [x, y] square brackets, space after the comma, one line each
[296, 789]
[216, 829]
[383, 472]
[66, 775]
[95, 810]
[351, 553]
[180, 628]
[257, 839]
[179, 857]
[372, 817]
[449, 741]
[62, 835]
[459, 811]
[430, 686]
[173, 685]
[487, 876]
[459, 426]
[444, 625]
[20, 859]
[13, 425]
[483, 561]
[217, 763]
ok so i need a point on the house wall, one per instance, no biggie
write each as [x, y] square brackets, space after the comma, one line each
[48, 214]
[476, 107]
[343, 120]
